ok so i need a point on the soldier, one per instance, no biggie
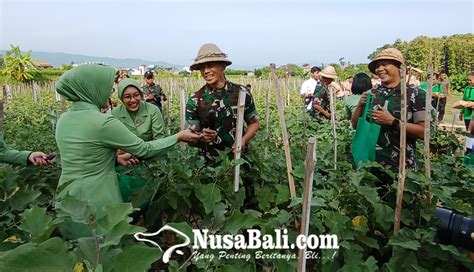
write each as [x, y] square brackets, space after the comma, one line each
[321, 102]
[387, 107]
[212, 110]
[153, 92]
[445, 84]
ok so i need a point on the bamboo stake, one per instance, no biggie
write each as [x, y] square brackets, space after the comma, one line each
[401, 170]
[170, 96]
[182, 110]
[289, 167]
[7, 93]
[333, 122]
[34, 91]
[267, 113]
[428, 123]
[309, 164]
[238, 137]
[63, 105]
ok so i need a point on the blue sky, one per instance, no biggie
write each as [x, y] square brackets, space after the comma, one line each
[251, 32]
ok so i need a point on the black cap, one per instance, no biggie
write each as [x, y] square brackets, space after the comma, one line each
[315, 69]
[148, 74]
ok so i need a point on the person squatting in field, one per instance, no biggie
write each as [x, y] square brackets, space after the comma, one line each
[88, 142]
[212, 110]
[321, 104]
[387, 110]
[152, 91]
[145, 121]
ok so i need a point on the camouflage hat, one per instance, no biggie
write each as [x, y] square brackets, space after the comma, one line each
[387, 54]
[328, 72]
[209, 52]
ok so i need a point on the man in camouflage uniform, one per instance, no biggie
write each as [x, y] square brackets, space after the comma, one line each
[212, 110]
[387, 110]
[321, 106]
[153, 92]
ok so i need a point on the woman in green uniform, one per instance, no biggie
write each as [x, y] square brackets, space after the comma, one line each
[142, 119]
[88, 141]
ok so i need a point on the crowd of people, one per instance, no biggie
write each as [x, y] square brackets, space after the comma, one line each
[96, 148]
[385, 89]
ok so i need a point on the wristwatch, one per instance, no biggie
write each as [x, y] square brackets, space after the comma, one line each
[395, 124]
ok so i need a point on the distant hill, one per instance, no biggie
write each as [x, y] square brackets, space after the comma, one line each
[56, 59]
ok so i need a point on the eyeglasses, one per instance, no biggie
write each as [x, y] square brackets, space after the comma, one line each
[128, 97]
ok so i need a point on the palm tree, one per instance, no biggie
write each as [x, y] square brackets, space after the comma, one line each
[18, 67]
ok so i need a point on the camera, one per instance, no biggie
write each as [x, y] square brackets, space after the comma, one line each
[454, 229]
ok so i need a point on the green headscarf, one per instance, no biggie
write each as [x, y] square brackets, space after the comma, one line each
[125, 83]
[89, 83]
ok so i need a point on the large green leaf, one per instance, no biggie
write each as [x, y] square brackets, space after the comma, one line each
[79, 211]
[38, 223]
[405, 239]
[49, 256]
[115, 224]
[136, 258]
[208, 194]
[238, 221]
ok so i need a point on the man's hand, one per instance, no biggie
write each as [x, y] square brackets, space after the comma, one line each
[150, 97]
[39, 159]
[242, 149]
[363, 99]
[461, 116]
[209, 135]
[127, 159]
[383, 117]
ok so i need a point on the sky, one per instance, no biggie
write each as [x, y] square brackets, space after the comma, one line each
[251, 32]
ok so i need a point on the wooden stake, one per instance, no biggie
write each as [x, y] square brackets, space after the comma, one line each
[1, 115]
[34, 91]
[332, 93]
[63, 105]
[428, 123]
[267, 113]
[238, 137]
[7, 93]
[309, 164]
[170, 96]
[403, 146]
[182, 109]
[284, 132]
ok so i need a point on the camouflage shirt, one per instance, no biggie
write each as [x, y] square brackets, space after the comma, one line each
[321, 98]
[388, 144]
[157, 91]
[217, 110]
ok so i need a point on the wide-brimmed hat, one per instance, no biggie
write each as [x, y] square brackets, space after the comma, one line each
[209, 52]
[329, 72]
[387, 54]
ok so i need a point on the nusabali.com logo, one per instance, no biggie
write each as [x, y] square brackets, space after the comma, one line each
[253, 240]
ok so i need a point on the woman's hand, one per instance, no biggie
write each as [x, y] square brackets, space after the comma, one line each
[39, 159]
[188, 136]
[127, 159]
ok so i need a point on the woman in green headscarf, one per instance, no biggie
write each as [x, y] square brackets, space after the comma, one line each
[88, 140]
[142, 119]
